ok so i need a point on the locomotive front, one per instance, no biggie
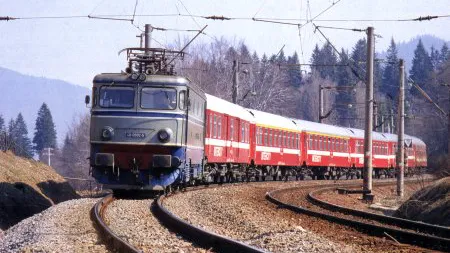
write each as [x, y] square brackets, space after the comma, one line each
[137, 130]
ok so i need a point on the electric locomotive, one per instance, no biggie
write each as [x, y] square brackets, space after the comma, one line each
[147, 124]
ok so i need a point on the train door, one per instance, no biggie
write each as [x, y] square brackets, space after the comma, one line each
[252, 143]
[231, 142]
[237, 139]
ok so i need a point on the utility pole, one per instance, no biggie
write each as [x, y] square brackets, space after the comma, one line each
[320, 103]
[47, 152]
[401, 131]
[382, 123]
[392, 121]
[235, 81]
[375, 116]
[367, 173]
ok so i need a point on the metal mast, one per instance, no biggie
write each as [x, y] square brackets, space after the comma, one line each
[367, 173]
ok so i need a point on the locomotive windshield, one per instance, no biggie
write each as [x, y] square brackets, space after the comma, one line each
[159, 98]
[117, 97]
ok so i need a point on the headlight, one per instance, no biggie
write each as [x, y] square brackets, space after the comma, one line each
[107, 133]
[164, 135]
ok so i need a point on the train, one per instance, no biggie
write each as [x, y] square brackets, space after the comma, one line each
[152, 129]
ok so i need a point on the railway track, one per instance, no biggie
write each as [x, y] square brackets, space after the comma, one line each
[196, 235]
[111, 239]
[399, 230]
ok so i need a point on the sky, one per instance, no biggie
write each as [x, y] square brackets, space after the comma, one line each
[77, 49]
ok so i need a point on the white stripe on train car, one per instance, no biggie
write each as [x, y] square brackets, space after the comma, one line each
[291, 151]
[381, 156]
[215, 142]
[243, 145]
[318, 152]
[268, 149]
[223, 143]
[354, 155]
[340, 154]
[411, 157]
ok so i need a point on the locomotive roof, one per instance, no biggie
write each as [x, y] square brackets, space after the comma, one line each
[220, 105]
[271, 120]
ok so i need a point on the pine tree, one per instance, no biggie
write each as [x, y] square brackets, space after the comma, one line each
[344, 97]
[444, 55]
[390, 77]
[421, 67]
[435, 58]
[281, 59]
[20, 137]
[359, 58]
[324, 56]
[45, 133]
[2, 124]
[2, 134]
[294, 72]
[315, 59]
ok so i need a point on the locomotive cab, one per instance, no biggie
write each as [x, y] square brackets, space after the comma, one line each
[138, 131]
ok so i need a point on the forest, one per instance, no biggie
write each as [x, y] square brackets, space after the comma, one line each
[278, 83]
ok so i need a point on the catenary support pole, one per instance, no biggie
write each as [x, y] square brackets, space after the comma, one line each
[320, 103]
[375, 116]
[235, 81]
[367, 170]
[401, 131]
[392, 121]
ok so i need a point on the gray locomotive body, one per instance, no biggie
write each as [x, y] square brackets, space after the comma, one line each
[146, 133]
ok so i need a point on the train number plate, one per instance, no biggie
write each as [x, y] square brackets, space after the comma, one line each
[135, 135]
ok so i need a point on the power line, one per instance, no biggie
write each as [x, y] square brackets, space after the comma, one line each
[342, 28]
[322, 12]
[224, 18]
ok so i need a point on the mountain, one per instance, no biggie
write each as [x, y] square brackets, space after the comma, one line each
[25, 94]
[406, 49]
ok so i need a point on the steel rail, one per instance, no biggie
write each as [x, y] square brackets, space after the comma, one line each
[402, 236]
[196, 234]
[112, 240]
[422, 227]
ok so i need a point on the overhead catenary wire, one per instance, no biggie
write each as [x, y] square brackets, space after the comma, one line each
[322, 12]
[223, 18]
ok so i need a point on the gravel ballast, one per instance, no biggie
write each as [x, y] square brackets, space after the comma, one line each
[66, 227]
[133, 221]
[240, 212]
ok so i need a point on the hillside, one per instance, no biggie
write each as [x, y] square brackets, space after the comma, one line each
[28, 187]
[406, 48]
[431, 204]
[25, 94]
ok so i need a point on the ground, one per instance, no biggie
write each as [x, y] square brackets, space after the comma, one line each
[28, 187]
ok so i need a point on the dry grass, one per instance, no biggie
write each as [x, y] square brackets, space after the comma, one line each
[28, 187]
[431, 204]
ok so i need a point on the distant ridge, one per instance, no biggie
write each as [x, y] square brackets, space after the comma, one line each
[406, 49]
[25, 94]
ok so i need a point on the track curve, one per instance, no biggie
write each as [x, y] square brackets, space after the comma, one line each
[198, 235]
[430, 241]
[112, 240]
[421, 227]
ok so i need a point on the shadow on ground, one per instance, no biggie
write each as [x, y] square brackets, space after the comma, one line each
[19, 201]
